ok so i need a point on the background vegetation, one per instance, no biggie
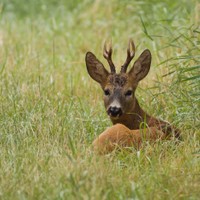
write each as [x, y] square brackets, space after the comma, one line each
[51, 110]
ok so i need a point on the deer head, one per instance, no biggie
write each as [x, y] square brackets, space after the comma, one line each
[119, 88]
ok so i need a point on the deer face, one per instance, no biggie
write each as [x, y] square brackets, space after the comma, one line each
[118, 95]
[119, 88]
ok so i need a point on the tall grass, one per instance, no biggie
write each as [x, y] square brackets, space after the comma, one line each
[50, 109]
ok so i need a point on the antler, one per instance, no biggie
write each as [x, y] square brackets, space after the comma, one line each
[130, 55]
[108, 56]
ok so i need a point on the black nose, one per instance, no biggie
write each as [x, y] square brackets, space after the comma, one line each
[114, 111]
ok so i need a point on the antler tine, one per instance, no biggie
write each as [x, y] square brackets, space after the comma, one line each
[108, 56]
[130, 55]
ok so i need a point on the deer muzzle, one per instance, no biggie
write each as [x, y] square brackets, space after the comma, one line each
[114, 111]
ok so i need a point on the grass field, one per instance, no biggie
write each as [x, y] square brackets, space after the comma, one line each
[51, 110]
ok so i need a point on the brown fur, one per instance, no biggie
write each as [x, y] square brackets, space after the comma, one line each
[119, 136]
[118, 80]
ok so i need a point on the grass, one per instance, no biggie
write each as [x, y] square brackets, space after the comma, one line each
[50, 109]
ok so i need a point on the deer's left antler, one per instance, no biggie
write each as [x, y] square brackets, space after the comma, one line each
[130, 55]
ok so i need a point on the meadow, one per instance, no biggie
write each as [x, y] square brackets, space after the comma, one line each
[51, 110]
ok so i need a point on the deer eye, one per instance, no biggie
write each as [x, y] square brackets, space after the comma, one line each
[129, 93]
[107, 92]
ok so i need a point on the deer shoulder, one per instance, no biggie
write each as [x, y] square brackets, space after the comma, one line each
[119, 136]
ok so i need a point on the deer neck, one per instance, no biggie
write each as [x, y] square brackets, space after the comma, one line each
[134, 118]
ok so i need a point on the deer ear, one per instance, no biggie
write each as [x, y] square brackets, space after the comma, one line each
[95, 68]
[141, 66]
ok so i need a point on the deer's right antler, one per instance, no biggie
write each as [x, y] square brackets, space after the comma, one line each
[130, 55]
[108, 56]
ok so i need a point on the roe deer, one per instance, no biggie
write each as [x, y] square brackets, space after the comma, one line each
[120, 102]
